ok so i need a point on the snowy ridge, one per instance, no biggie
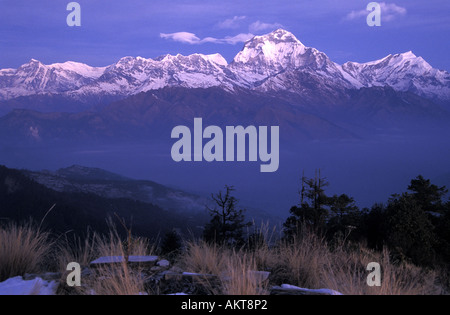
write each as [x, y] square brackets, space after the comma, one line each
[274, 62]
[403, 72]
[36, 78]
[131, 75]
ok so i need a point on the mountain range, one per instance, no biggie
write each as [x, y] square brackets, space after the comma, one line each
[266, 63]
[274, 79]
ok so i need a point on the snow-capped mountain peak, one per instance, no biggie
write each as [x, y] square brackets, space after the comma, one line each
[265, 57]
[79, 68]
[278, 36]
[267, 63]
[36, 78]
[217, 59]
[403, 72]
[270, 53]
[389, 64]
[197, 61]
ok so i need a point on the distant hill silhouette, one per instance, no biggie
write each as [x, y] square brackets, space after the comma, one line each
[22, 199]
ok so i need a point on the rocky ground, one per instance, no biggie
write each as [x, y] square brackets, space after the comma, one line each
[159, 277]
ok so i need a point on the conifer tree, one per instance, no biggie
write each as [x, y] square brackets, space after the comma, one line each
[312, 212]
[227, 223]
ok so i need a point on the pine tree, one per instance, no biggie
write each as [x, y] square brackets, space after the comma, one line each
[227, 223]
[410, 233]
[345, 215]
[172, 243]
[427, 195]
[312, 212]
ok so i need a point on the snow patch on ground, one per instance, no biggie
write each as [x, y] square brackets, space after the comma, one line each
[320, 291]
[18, 286]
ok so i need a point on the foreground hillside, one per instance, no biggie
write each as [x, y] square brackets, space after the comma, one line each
[202, 268]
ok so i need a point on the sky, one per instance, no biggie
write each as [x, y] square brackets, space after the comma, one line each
[113, 29]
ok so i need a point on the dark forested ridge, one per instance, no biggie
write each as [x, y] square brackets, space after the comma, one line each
[22, 199]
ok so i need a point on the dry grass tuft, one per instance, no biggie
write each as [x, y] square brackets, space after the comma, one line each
[309, 262]
[23, 249]
[233, 268]
[346, 272]
[120, 279]
[239, 279]
[82, 251]
[202, 257]
[301, 262]
[116, 279]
